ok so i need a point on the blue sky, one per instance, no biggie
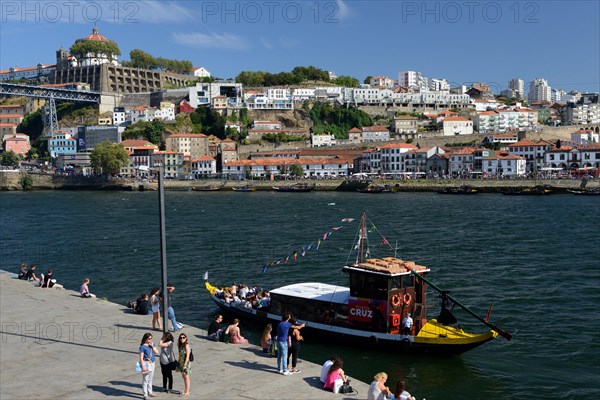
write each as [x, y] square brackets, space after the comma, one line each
[461, 41]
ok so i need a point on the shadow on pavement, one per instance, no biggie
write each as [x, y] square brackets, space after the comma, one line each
[112, 391]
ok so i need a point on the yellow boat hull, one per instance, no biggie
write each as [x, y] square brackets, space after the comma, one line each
[438, 338]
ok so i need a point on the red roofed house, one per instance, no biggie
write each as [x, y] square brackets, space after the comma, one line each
[503, 164]
[203, 166]
[392, 157]
[532, 152]
[17, 143]
[375, 133]
[457, 126]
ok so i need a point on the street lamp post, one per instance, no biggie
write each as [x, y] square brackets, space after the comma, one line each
[163, 246]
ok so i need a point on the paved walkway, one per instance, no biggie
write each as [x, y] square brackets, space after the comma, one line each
[55, 344]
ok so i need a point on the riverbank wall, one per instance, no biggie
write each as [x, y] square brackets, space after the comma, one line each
[12, 180]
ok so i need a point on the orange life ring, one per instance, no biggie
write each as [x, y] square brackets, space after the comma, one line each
[395, 300]
[406, 299]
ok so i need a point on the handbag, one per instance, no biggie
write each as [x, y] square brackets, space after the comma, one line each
[173, 365]
[191, 355]
[346, 388]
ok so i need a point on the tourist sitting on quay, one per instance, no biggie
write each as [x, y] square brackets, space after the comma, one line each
[326, 366]
[22, 272]
[335, 376]
[84, 290]
[215, 332]
[142, 305]
[377, 389]
[48, 281]
[233, 331]
[266, 340]
[400, 393]
[30, 275]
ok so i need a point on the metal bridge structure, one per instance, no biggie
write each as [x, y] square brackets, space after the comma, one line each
[51, 94]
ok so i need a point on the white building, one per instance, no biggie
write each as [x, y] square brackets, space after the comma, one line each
[200, 72]
[391, 157]
[322, 139]
[585, 136]
[518, 87]
[532, 152]
[143, 113]
[381, 81]
[375, 133]
[504, 165]
[120, 116]
[205, 165]
[167, 111]
[486, 104]
[413, 79]
[505, 120]
[539, 91]
[265, 125]
[91, 59]
[439, 85]
[457, 126]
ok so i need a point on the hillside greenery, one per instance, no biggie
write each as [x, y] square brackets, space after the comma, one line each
[337, 120]
[295, 77]
[141, 59]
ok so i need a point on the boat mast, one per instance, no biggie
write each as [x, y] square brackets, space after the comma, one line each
[362, 235]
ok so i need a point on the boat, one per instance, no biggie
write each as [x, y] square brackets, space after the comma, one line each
[533, 191]
[588, 192]
[464, 189]
[296, 187]
[370, 312]
[210, 188]
[373, 189]
[246, 188]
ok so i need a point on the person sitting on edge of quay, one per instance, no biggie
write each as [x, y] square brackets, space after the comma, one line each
[142, 305]
[234, 331]
[48, 280]
[30, 275]
[335, 376]
[400, 393]
[215, 332]
[377, 389]
[22, 272]
[326, 366]
[84, 290]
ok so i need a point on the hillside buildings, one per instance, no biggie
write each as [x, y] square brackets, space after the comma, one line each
[539, 91]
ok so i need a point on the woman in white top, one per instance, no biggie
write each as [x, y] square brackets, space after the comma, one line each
[377, 389]
[155, 302]
[401, 393]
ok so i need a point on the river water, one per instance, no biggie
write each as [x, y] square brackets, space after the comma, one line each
[537, 259]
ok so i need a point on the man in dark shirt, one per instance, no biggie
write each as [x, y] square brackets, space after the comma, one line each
[214, 330]
[142, 305]
[30, 275]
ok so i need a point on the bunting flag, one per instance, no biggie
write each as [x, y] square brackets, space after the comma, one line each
[384, 243]
[487, 317]
[304, 249]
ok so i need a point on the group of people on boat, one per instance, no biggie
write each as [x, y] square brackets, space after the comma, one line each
[244, 296]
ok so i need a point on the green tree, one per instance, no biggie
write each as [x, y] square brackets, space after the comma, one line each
[108, 158]
[154, 131]
[32, 154]
[83, 47]
[209, 122]
[337, 120]
[367, 80]
[9, 159]
[141, 59]
[26, 182]
[346, 81]
[296, 170]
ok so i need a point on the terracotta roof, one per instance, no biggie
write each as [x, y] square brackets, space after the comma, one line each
[228, 148]
[523, 142]
[354, 130]
[6, 125]
[96, 36]
[462, 119]
[11, 116]
[374, 128]
[138, 143]
[399, 146]
[186, 135]
[11, 106]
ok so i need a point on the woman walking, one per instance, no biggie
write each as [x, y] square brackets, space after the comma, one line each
[184, 363]
[155, 303]
[147, 358]
[295, 337]
[167, 359]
